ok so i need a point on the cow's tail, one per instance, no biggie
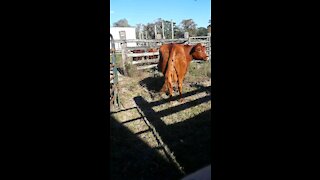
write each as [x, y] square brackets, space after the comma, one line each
[170, 64]
[161, 61]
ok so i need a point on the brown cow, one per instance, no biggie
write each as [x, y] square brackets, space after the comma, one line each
[164, 52]
[137, 51]
[153, 50]
[164, 56]
[174, 62]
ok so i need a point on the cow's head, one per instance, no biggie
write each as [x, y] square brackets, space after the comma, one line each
[199, 52]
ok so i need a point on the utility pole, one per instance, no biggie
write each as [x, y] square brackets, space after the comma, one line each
[142, 34]
[163, 37]
[142, 37]
[155, 31]
[172, 34]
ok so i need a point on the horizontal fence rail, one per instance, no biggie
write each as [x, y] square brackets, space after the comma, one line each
[147, 66]
[142, 54]
[143, 47]
[146, 61]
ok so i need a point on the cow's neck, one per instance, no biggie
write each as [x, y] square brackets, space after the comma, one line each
[188, 49]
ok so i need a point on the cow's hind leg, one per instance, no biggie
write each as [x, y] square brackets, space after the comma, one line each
[180, 91]
[164, 88]
[169, 85]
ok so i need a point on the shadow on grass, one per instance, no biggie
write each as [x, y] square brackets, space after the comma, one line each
[190, 139]
[131, 158]
[152, 83]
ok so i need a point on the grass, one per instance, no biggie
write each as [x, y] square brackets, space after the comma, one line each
[183, 127]
[118, 60]
[199, 69]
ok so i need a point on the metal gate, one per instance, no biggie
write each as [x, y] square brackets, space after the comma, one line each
[114, 96]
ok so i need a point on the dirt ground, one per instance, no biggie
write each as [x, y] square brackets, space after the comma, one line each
[152, 138]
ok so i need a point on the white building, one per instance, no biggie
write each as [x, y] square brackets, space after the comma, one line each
[130, 34]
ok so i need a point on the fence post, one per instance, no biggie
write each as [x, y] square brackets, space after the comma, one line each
[155, 31]
[124, 56]
[210, 55]
[163, 37]
[172, 35]
[115, 74]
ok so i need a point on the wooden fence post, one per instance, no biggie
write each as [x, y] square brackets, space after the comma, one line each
[115, 97]
[163, 37]
[210, 55]
[155, 31]
[172, 34]
[124, 56]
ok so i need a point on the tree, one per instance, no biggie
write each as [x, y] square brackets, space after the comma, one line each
[188, 25]
[158, 24]
[149, 28]
[178, 32]
[167, 28]
[121, 23]
[201, 31]
[185, 26]
[139, 28]
[209, 27]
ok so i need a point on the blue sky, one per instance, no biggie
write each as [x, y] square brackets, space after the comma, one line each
[147, 11]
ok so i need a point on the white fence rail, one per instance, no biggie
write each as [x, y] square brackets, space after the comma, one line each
[142, 54]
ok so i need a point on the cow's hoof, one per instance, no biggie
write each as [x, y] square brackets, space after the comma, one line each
[163, 95]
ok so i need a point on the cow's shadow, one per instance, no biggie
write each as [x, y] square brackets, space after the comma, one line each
[153, 84]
